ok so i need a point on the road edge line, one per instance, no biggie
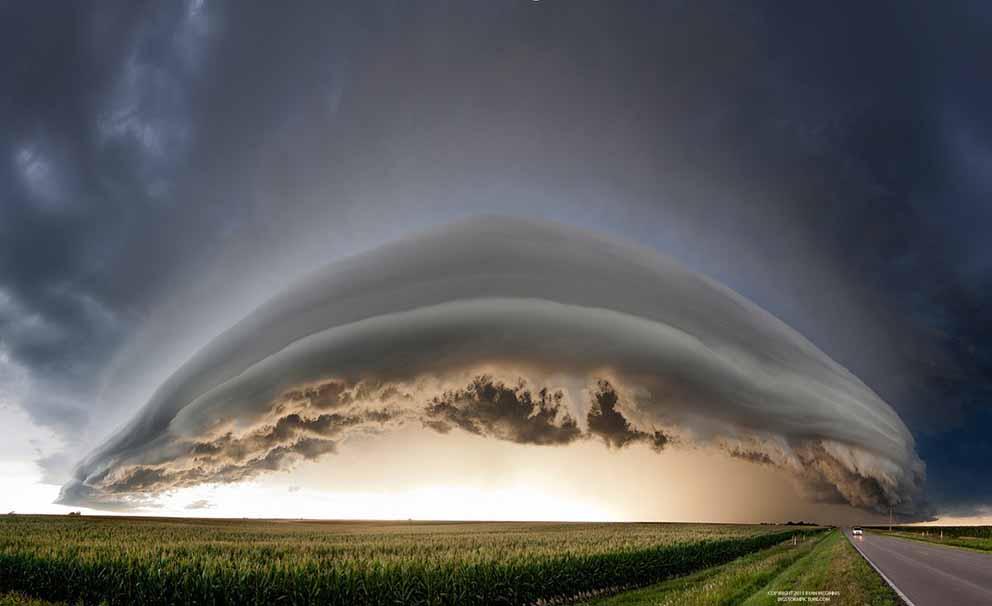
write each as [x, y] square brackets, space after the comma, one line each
[902, 596]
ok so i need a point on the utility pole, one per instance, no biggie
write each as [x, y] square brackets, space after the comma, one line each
[890, 518]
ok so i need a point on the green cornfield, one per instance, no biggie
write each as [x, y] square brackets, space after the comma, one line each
[974, 537]
[972, 532]
[197, 561]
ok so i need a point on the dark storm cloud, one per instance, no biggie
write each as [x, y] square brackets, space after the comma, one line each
[97, 124]
[485, 407]
[899, 195]
[830, 162]
[749, 455]
[608, 423]
[415, 321]
[488, 407]
[227, 457]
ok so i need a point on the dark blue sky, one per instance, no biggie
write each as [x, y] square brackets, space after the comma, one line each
[832, 162]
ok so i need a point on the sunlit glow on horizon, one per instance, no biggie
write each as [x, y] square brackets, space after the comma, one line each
[431, 502]
[980, 519]
[414, 475]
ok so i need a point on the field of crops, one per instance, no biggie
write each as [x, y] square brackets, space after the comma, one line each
[974, 537]
[976, 532]
[162, 561]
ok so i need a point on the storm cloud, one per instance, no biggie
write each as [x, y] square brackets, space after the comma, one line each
[488, 407]
[162, 174]
[609, 424]
[515, 330]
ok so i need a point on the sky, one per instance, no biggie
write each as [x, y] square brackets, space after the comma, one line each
[762, 227]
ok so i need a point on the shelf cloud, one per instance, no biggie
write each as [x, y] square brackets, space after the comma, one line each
[519, 331]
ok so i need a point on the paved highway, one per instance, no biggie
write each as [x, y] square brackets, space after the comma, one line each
[928, 574]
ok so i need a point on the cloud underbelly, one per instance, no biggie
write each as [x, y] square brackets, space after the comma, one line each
[514, 331]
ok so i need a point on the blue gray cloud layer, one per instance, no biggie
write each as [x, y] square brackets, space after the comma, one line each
[161, 171]
[521, 331]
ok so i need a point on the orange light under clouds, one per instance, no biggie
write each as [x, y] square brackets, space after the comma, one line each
[418, 474]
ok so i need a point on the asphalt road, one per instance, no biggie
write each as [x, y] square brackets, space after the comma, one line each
[928, 574]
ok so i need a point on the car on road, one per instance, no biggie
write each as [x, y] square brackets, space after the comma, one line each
[857, 531]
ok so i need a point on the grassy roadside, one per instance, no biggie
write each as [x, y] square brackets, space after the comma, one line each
[825, 564]
[727, 584]
[834, 565]
[975, 543]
